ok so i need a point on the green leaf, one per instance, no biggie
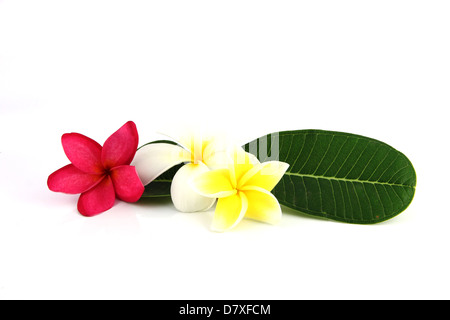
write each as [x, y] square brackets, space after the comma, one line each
[160, 187]
[340, 176]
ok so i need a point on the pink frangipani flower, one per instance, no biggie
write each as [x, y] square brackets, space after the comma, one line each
[99, 173]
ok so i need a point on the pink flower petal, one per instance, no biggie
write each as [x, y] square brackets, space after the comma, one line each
[70, 179]
[83, 152]
[98, 199]
[120, 148]
[127, 184]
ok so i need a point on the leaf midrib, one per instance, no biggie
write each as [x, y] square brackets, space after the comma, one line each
[347, 180]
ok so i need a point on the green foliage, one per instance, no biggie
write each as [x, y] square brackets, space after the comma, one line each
[160, 187]
[340, 176]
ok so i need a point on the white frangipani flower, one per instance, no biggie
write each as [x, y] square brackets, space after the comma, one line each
[199, 153]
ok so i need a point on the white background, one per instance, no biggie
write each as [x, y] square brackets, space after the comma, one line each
[375, 68]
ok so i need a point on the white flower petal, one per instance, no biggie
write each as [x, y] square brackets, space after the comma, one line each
[189, 139]
[218, 152]
[184, 197]
[153, 159]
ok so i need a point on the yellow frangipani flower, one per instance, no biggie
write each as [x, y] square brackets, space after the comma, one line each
[243, 190]
[199, 153]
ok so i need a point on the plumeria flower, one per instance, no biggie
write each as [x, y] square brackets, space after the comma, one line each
[243, 190]
[99, 173]
[198, 153]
